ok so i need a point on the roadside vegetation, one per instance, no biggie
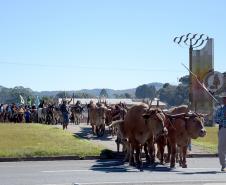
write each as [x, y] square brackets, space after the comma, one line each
[209, 142]
[36, 140]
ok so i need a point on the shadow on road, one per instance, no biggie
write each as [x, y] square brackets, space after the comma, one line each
[200, 173]
[108, 166]
[86, 132]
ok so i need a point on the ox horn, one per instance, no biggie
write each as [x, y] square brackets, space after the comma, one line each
[158, 103]
[191, 114]
[150, 105]
[197, 114]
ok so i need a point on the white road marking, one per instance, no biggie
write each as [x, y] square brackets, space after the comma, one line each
[61, 171]
[214, 184]
[58, 184]
[209, 182]
[55, 184]
[131, 170]
[217, 169]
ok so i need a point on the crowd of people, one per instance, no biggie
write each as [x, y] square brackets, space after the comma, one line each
[43, 113]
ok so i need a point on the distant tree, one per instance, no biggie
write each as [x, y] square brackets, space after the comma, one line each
[166, 85]
[127, 95]
[103, 94]
[174, 95]
[116, 96]
[83, 95]
[48, 99]
[62, 94]
[167, 94]
[182, 94]
[16, 92]
[4, 95]
[145, 91]
[124, 95]
[184, 80]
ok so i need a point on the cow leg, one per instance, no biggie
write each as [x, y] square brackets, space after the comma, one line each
[117, 143]
[184, 153]
[173, 153]
[78, 120]
[94, 128]
[167, 157]
[148, 159]
[179, 155]
[167, 160]
[88, 118]
[151, 150]
[127, 150]
[160, 152]
[131, 155]
[138, 157]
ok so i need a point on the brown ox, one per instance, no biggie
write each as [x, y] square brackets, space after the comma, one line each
[97, 115]
[57, 115]
[141, 125]
[76, 114]
[116, 112]
[181, 128]
[162, 140]
[119, 130]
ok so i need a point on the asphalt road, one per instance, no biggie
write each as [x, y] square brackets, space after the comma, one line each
[200, 171]
[84, 131]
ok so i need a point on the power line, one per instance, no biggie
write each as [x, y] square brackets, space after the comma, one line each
[110, 68]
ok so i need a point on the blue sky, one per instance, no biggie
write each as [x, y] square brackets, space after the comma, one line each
[119, 44]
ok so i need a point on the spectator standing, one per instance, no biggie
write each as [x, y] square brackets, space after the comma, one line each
[65, 112]
[220, 118]
[27, 115]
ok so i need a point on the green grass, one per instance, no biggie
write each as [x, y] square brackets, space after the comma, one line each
[209, 142]
[35, 140]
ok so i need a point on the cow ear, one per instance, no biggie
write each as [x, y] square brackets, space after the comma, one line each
[146, 116]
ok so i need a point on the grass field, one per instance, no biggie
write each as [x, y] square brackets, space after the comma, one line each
[33, 140]
[209, 142]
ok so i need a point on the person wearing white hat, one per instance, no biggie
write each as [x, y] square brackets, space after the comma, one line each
[220, 118]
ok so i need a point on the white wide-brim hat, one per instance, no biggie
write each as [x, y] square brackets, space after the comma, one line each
[223, 95]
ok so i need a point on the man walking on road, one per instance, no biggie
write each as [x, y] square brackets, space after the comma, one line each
[220, 118]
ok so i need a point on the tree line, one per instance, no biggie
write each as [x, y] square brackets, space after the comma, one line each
[171, 94]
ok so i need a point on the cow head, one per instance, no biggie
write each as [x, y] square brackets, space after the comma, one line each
[102, 111]
[155, 118]
[195, 125]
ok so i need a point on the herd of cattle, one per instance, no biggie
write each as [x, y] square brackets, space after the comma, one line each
[138, 127]
[144, 126]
